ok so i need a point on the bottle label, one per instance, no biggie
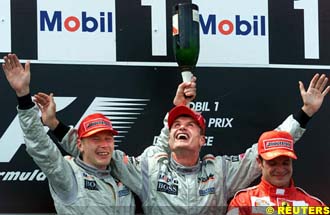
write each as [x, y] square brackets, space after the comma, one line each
[175, 24]
[195, 15]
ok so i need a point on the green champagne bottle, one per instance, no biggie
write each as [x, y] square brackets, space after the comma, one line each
[185, 31]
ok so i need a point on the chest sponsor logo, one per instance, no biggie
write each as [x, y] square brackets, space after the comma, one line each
[171, 189]
[90, 185]
[123, 192]
[210, 190]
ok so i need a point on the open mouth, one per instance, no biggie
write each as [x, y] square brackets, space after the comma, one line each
[182, 136]
[103, 153]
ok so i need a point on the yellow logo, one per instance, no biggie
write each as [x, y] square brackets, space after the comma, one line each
[284, 209]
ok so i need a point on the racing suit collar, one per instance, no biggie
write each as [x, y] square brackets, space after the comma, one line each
[101, 174]
[275, 191]
[185, 170]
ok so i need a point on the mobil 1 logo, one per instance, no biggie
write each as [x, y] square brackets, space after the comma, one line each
[299, 32]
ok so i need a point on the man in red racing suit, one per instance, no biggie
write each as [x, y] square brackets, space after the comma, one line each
[275, 149]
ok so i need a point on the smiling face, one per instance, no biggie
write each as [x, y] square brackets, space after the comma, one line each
[97, 149]
[185, 134]
[277, 171]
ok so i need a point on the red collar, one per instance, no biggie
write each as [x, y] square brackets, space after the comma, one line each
[275, 191]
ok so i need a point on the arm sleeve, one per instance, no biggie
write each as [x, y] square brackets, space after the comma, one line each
[67, 138]
[292, 126]
[127, 170]
[161, 144]
[302, 118]
[46, 155]
[69, 142]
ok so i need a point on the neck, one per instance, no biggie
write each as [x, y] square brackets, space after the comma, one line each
[282, 186]
[186, 158]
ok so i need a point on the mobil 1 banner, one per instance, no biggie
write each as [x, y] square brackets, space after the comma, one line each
[299, 32]
[238, 32]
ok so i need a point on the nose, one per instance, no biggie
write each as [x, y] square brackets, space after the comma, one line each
[182, 127]
[106, 143]
[280, 169]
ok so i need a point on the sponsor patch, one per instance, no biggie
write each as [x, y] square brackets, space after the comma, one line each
[96, 123]
[167, 188]
[278, 143]
[90, 185]
[123, 192]
[210, 190]
[234, 158]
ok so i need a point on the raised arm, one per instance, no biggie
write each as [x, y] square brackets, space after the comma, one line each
[38, 145]
[312, 102]
[66, 135]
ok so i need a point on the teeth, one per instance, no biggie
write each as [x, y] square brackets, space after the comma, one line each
[103, 153]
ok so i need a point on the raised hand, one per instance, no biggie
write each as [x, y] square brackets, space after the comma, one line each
[47, 107]
[313, 97]
[186, 92]
[17, 75]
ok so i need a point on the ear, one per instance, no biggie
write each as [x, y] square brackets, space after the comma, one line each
[80, 145]
[202, 140]
[259, 162]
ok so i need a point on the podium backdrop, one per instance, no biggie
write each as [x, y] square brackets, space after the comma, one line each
[116, 57]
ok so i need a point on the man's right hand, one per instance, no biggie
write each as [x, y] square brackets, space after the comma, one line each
[186, 92]
[47, 107]
[18, 76]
